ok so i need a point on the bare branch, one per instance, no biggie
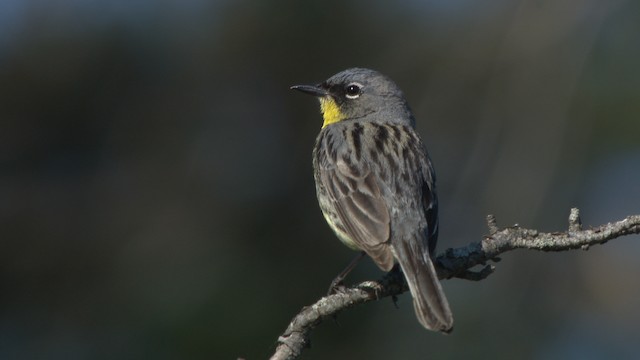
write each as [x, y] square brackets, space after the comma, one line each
[453, 263]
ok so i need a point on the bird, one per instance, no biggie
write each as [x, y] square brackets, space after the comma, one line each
[375, 183]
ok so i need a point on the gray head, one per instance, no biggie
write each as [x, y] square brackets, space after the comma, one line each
[355, 93]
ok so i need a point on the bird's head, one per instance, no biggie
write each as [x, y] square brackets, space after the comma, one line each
[355, 93]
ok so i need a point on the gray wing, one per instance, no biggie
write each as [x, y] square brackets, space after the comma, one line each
[359, 204]
[430, 202]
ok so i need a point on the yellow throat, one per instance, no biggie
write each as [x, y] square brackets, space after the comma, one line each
[330, 111]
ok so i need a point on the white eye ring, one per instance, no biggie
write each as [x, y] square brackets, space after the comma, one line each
[353, 90]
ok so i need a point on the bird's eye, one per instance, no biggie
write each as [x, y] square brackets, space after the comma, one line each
[353, 90]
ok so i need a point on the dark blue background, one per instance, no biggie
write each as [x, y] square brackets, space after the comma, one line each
[156, 196]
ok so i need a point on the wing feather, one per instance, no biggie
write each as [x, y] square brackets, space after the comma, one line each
[361, 209]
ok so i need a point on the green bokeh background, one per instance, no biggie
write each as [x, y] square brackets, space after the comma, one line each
[157, 201]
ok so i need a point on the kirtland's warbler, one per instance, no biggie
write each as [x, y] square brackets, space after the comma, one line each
[376, 185]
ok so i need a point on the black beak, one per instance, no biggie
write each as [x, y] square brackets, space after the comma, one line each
[314, 90]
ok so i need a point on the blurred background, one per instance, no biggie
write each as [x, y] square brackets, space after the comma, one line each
[157, 199]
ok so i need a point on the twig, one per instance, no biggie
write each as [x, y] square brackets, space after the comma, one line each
[453, 263]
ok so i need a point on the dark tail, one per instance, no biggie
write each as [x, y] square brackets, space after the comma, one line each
[429, 301]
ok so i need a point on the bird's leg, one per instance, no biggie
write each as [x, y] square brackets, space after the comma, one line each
[395, 271]
[337, 282]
